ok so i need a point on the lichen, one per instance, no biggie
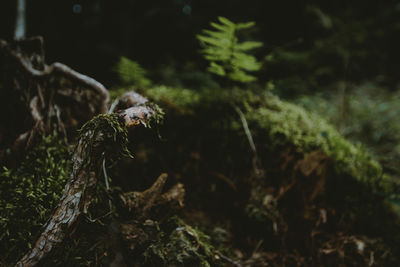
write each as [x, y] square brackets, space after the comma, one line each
[29, 192]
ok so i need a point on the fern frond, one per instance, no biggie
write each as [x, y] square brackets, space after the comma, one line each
[217, 69]
[249, 45]
[131, 73]
[227, 22]
[227, 56]
[246, 25]
[222, 28]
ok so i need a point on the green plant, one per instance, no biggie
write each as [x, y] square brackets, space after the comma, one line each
[131, 73]
[29, 192]
[180, 245]
[228, 57]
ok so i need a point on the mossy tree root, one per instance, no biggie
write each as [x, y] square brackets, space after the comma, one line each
[104, 135]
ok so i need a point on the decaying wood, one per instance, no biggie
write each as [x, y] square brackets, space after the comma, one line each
[148, 207]
[140, 203]
[80, 186]
[173, 197]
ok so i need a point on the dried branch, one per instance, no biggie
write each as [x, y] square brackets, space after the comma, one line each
[140, 203]
[173, 197]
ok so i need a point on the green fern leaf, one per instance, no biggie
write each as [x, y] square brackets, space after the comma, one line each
[226, 22]
[246, 25]
[227, 56]
[216, 69]
[131, 73]
[223, 28]
[245, 46]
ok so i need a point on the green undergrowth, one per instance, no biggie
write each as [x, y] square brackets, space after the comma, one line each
[198, 121]
[180, 245]
[29, 192]
[170, 243]
[367, 112]
[131, 73]
[274, 124]
[279, 123]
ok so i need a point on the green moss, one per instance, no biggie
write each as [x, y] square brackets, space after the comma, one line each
[182, 246]
[178, 97]
[107, 131]
[158, 116]
[279, 123]
[29, 193]
[275, 124]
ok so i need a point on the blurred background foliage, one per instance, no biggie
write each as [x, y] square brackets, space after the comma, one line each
[340, 59]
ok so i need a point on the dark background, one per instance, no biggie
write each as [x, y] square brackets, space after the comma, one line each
[91, 35]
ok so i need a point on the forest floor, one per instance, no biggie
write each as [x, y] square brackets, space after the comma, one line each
[244, 178]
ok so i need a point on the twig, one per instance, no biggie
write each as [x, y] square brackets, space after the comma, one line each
[44, 95]
[226, 180]
[111, 110]
[257, 170]
[98, 218]
[234, 263]
[246, 128]
[106, 181]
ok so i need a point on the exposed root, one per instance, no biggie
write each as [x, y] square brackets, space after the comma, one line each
[54, 98]
[95, 142]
